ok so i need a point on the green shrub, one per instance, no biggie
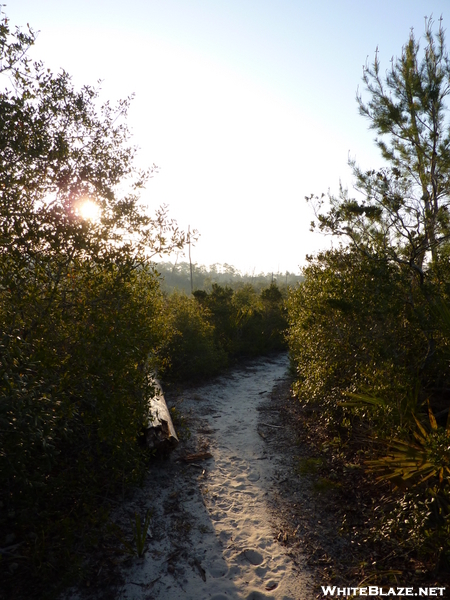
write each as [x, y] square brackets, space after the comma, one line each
[370, 346]
[246, 321]
[191, 349]
[79, 313]
[73, 392]
[351, 330]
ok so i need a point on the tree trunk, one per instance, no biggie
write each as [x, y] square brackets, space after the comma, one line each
[160, 433]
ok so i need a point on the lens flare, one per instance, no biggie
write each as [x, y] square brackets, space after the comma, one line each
[88, 210]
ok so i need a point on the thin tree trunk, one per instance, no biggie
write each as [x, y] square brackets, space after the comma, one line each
[190, 261]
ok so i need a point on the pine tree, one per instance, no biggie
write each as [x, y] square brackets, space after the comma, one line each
[402, 210]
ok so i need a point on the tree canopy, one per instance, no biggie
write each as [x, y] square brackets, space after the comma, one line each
[81, 309]
[58, 148]
[369, 326]
[402, 210]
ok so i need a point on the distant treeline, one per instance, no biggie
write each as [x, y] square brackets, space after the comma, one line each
[178, 277]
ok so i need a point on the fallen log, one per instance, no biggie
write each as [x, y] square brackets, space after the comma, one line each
[160, 433]
[193, 457]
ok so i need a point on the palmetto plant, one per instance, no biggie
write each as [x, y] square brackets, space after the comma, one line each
[140, 530]
[427, 456]
[418, 460]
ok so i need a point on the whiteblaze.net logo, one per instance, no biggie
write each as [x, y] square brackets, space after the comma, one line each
[374, 590]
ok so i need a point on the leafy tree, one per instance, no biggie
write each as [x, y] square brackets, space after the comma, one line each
[402, 209]
[350, 330]
[57, 148]
[275, 317]
[80, 310]
[219, 304]
[370, 344]
[190, 349]
[246, 321]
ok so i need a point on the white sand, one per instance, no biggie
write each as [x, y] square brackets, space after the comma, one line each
[212, 535]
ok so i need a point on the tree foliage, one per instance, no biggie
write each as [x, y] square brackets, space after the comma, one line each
[58, 148]
[80, 310]
[247, 321]
[368, 328]
[402, 210]
[351, 331]
[191, 349]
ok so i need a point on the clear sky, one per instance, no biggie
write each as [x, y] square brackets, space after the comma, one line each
[246, 106]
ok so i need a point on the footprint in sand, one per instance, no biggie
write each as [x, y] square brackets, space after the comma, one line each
[253, 476]
[225, 505]
[260, 596]
[238, 486]
[218, 516]
[217, 570]
[253, 556]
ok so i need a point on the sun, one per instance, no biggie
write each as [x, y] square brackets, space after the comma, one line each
[88, 210]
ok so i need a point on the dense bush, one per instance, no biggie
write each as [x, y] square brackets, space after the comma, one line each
[352, 329]
[371, 348]
[190, 349]
[246, 321]
[80, 311]
[73, 397]
[370, 326]
[206, 331]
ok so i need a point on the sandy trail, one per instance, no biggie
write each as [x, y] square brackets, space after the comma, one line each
[212, 534]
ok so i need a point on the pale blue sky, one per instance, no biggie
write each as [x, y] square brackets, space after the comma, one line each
[245, 105]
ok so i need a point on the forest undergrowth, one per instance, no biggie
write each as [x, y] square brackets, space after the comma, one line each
[340, 507]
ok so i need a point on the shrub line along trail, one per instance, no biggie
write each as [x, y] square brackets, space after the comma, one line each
[212, 535]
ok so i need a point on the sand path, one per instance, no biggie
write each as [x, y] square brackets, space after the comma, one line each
[212, 534]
